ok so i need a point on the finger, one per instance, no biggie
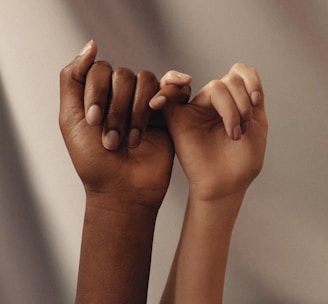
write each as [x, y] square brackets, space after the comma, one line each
[97, 90]
[175, 77]
[217, 95]
[123, 86]
[236, 87]
[252, 82]
[175, 87]
[72, 83]
[170, 94]
[146, 86]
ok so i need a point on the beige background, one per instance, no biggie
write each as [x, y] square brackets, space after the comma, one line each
[279, 250]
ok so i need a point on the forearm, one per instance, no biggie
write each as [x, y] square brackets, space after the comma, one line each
[198, 270]
[115, 254]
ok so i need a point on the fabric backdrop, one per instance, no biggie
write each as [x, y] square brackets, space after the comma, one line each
[279, 249]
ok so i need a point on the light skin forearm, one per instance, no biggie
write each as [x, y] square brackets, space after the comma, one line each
[198, 270]
[219, 138]
[116, 252]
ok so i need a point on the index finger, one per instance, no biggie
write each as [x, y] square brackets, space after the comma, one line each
[72, 84]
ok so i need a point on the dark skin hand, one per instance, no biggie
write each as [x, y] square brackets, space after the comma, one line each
[123, 155]
[125, 169]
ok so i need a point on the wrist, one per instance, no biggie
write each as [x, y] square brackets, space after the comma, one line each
[220, 209]
[127, 202]
[116, 251]
[121, 213]
[211, 190]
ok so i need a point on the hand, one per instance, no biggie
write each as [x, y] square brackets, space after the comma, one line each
[220, 136]
[118, 145]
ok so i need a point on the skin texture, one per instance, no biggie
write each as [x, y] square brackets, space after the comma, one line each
[220, 140]
[123, 155]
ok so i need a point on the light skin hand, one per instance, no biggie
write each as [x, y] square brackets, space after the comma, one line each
[220, 136]
[220, 139]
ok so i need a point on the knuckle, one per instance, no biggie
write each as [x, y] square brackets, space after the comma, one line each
[124, 73]
[233, 79]
[103, 63]
[237, 67]
[147, 76]
[71, 73]
[147, 80]
[216, 85]
[65, 72]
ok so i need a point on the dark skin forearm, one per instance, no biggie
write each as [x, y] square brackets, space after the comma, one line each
[115, 254]
[123, 155]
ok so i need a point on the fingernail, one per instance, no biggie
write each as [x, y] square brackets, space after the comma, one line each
[134, 138]
[111, 140]
[184, 77]
[158, 102]
[86, 48]
[177, 78]
[236, 132]
[256, 98]
[93, 116]
[244, 127]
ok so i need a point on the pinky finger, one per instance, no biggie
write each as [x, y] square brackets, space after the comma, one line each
[174, 86]
[175, 77]
[170, 94]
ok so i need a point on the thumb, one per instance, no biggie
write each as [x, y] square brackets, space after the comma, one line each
[72, 83]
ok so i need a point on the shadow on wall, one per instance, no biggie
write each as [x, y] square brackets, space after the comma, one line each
[28, 274]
